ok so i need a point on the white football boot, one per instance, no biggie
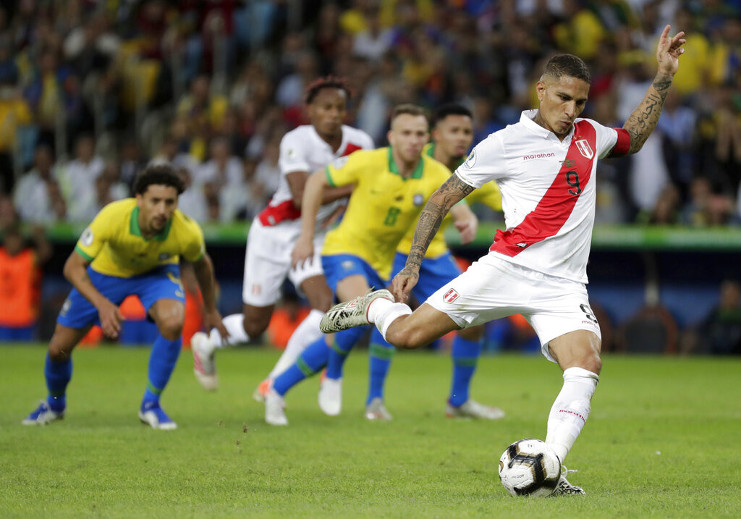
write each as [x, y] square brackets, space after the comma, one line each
[330, 396]
[274, 409]
[204, 365]
[473, 409]
[351, 313]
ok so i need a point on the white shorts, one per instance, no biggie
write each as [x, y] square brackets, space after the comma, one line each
[497, 288]
[267, 262]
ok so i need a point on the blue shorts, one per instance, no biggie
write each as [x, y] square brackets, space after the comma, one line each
[433, 274]
[339, 266]
[160, 283]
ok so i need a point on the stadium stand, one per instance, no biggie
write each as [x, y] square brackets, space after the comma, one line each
[91, 91]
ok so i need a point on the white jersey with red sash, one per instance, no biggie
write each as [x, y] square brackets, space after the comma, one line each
[548, 191]
[302, 149]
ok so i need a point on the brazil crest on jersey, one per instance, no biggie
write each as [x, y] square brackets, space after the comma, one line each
[383, 205]
[114, 245]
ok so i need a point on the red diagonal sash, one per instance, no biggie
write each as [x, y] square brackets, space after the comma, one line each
[558, 201]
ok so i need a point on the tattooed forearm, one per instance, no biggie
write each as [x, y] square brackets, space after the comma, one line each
[428, 225]
[644, 119]
[662, 87]
[449, 194]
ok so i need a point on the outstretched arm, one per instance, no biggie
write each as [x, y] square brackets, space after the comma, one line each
[450, 193]
[312, 200]
[297, 184]
[204, 271]
[643, 120]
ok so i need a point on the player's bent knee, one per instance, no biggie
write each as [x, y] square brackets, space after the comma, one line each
[255, 325]
[63, 342]
[589, 360]
[593, 363]
[318, 294]
[322, 303]
[57, 353]
[171, 329]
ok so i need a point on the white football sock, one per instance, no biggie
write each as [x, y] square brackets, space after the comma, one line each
[570, 410]
[383, 312]
[306, 333]
[237, 335]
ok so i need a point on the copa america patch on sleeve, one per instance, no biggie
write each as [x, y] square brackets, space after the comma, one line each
[87, 237]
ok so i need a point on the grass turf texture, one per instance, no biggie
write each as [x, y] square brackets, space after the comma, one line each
[662, 441]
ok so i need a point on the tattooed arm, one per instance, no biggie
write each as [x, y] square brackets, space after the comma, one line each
[450, 193]
[643, 120]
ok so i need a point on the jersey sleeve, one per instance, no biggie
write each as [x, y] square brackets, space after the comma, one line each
[346, 170]
[93, 238]
[484, 163]
[195, 246]
[292, 154]
[611, 142]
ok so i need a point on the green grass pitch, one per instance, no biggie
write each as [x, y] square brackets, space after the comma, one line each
[663, 440]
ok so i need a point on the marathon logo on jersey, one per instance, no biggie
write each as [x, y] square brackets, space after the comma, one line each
[584, 148]
[450, 296]
[418, 199]
[539, 156]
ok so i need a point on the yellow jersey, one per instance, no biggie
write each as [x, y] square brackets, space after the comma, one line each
[383, 206]
[487, 194]
[114, 245]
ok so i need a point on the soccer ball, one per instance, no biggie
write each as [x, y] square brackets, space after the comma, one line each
[529, 468]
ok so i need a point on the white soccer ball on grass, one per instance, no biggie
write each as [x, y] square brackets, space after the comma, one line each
[529, 468]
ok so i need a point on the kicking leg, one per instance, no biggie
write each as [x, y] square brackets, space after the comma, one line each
[578, 355]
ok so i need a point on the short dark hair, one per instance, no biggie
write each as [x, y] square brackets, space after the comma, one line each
[567, 65]
[443, 111]
[337, 82]
[409, 109]
[160, 175]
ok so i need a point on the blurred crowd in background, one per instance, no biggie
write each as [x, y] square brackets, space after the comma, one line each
[91, 91]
